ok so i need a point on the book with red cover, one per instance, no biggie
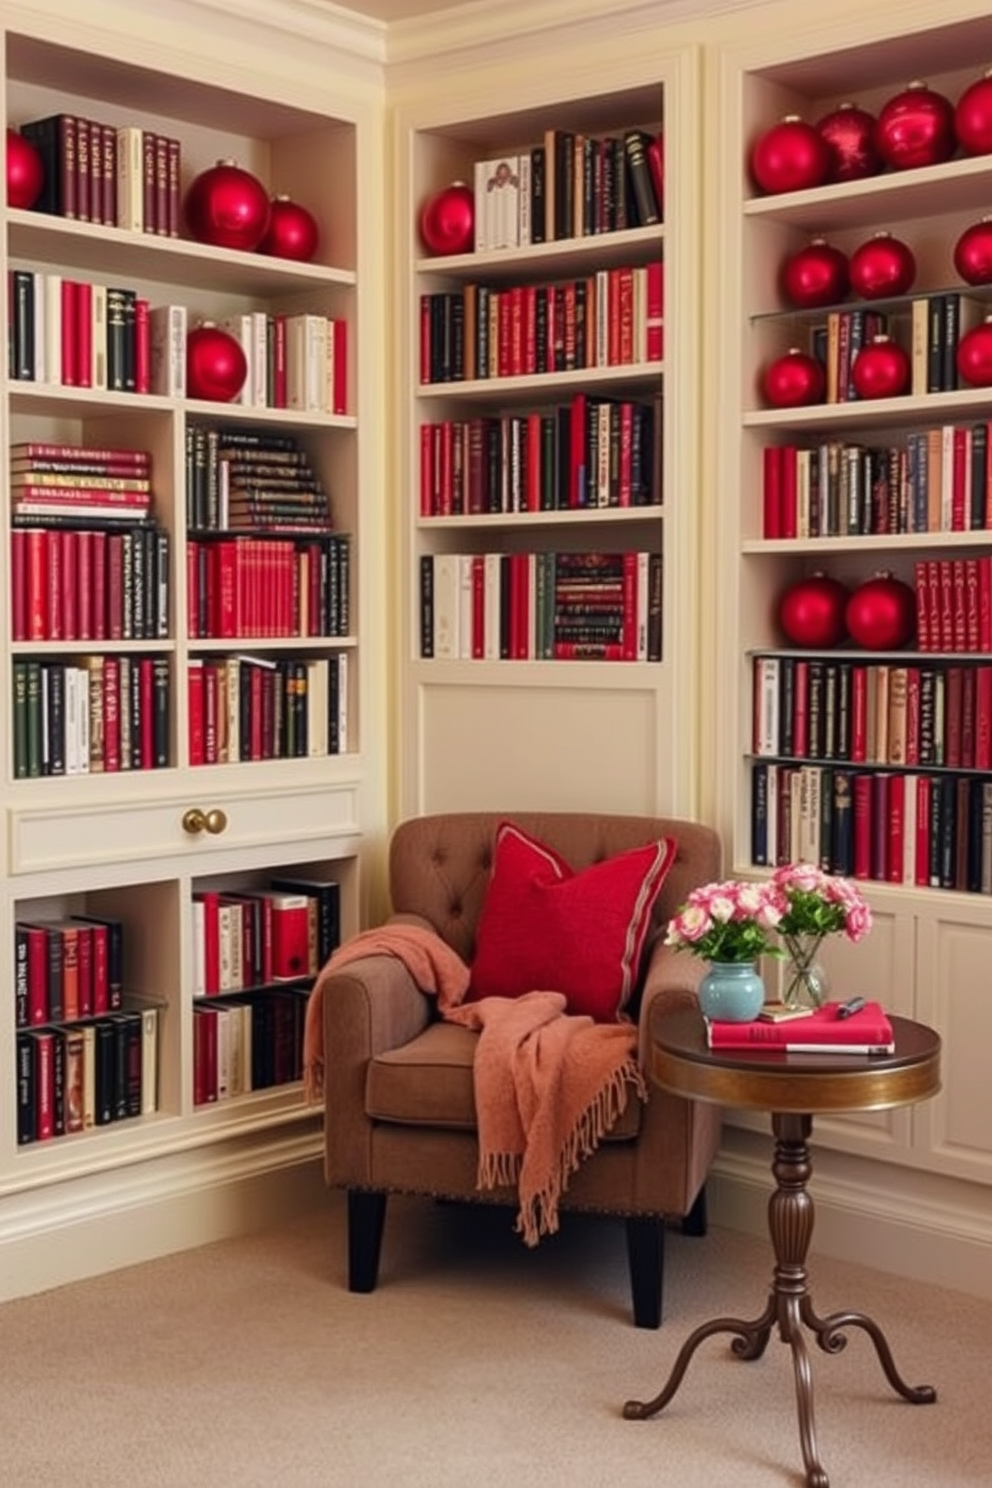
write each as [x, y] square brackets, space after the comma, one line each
[869, 1030]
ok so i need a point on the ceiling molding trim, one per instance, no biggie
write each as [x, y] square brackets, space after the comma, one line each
[308, 21]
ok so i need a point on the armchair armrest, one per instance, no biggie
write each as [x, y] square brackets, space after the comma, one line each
[672, 979]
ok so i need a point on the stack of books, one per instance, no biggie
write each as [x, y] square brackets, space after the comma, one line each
[810, 1031]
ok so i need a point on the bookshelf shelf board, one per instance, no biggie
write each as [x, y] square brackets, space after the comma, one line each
[604, 250]
[91, 647]
[871, 542]
[927, 191]
[494, 389]
[53, 401]
[621, 676]
[900, 304]
[583, 516]
[248, 646]
[201, 408]
[880, 412]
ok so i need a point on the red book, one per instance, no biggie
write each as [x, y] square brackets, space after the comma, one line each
[953, 687]
[44, 1083]
[98, 582]
[519, 606]
[862, 825]
[290, 935]
[944, 628]
[56, 583]
[959, 599]
[578, 473]
[37, 972]
[960, 478]
[36, 583]
[115, 586]
[111, 713]
[971, 605]
[896, 844]
[478, 607]
[83, 308]
[146, 696]
[82, 542]
[204, 1055]
[70, 341]
[425, 338]
[789, 500]
[983, 718]
[880, 784]
[339, 386]
[867, 1031]
[18, 584]
[772, 491]
[924, 790]
[655, 308]
[969, 683]
[654, 154]
[859, 714]
[210, 900]
[912, 715]
[142, 347]
[985, 604]
[428, 507]
[94, 969]
[279, 361]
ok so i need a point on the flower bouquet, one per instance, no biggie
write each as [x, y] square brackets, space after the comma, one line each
[729, 922]
[813, 904]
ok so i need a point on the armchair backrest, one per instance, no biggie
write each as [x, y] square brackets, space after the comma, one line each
[439, 866]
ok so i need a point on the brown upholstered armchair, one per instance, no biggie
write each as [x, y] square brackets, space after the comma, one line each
[399, 1106]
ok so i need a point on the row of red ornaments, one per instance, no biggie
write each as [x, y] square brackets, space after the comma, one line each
[820, 612]
[884, 267]
[882, 369]
[917, 127]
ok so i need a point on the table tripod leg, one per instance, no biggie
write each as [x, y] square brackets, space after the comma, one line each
[832, 1340]
[791, 1331]
[750, 1343]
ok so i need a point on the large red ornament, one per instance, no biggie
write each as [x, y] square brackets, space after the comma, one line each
[973, 253]
[881, 369]
[227, 207]
[915, 128]
[882, 266]
[791, 156]
[292, 231]
[216, 366]
[25, 171]
[447, 220]
[881, 614]
[816, 275]
[974, 355]
[973, 117]
[793, 379]
[850, 135]
[811, 613]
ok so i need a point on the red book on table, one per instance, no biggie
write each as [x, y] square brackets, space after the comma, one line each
[822, 1030]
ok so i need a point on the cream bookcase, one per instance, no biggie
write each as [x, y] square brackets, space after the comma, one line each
[137, 845]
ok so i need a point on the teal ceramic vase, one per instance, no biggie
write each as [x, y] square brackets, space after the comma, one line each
[731, 991]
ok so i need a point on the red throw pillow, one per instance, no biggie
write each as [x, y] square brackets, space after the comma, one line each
[545, 928]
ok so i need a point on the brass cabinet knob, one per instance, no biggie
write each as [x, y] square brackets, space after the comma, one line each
[216, 821]
[196, 820]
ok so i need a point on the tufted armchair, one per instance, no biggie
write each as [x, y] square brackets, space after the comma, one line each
[399, 1105]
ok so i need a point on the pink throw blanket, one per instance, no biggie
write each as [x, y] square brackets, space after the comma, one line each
[548, 1085]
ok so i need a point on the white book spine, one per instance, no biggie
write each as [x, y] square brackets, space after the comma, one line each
[523, 203]
[199, 950]
[82, 718]
[317, 741]
[446, 606]
[130, 177]
[149, 1061]
[491, 597]
[232, 677]
[240, 327]
[53, 328]
[464, 561]
[98, 336]
[70, 704]
[342, 702]
[643, 586]
[260, 358]
[766, 705]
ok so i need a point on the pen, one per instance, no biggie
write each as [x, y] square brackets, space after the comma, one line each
[850, 1007]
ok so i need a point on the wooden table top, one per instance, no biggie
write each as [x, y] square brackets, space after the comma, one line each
[774, 1080]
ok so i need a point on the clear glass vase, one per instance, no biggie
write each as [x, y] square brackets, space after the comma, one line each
[804, 978]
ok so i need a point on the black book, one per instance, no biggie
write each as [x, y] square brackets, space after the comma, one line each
[55, 140]
[635, 143]
[538, 196]
[26, 1114]
[105, 1071]
[427, 606]
[22, 365]
[759, 814]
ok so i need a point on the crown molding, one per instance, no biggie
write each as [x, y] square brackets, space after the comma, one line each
[311, 21]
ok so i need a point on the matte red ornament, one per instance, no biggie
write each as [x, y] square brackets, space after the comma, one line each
[915, 128]
[447, 220]
[292, 231]
[973, 117]
[881, 369]
[227, 207]
[973, 253]
[850, 135]
[816, 275]
[811, 613]
[882, 266]
[974, 355]
[881, 614]
[25, 171]
[791, 156]
[216, 366]
[793, 379]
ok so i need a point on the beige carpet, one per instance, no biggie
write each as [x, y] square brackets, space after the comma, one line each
[476, 1364]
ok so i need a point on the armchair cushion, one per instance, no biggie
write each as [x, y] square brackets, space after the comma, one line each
[545, 927]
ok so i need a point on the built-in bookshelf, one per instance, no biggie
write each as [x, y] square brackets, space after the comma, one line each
[549, 537]
[872, 760]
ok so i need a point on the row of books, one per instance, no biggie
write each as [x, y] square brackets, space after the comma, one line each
[89, 583]
[917, 829]
[119, 175]
[930, 331]
[72, 1078]
[251, 478]
[294, 361]
[94, 714]
[570, 185]
[875, 713]
[247, 940]
[541, 606]
[67, 969]
[808, 1030]
[590, 452]
[255, 708]
[248, 1043]
[937, 480]
[241, 588]
[612, 318]
[74, 481]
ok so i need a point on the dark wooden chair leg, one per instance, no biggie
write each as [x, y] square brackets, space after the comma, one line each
[695, 1222]
[366, 1221]
[646, 1259]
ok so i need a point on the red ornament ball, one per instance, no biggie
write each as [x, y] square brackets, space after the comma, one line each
[973, 253]
[973, 117]
[216, 366]
[974, 355]
[816, 275]
[882, 266]
[292, 231]
[850, 135]
[915, 128]
[811, 613]
[25, 171]
[447, 220]
[791, 156]
[227, 207]
[881, 614]
[793, 379]
[881, 369]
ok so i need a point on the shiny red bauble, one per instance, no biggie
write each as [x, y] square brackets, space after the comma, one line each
[447, 220]
[793, 379]
[881, 614]
[791, 156]
[882, 266]
[227, 207]
[292, 231]
[816, 275]
[973, 117]
[915, 128]
[974, 355]
[973, 253]
[850, 135]
[216, 366]
[25, 171]
[811, 613]
[881, 369]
